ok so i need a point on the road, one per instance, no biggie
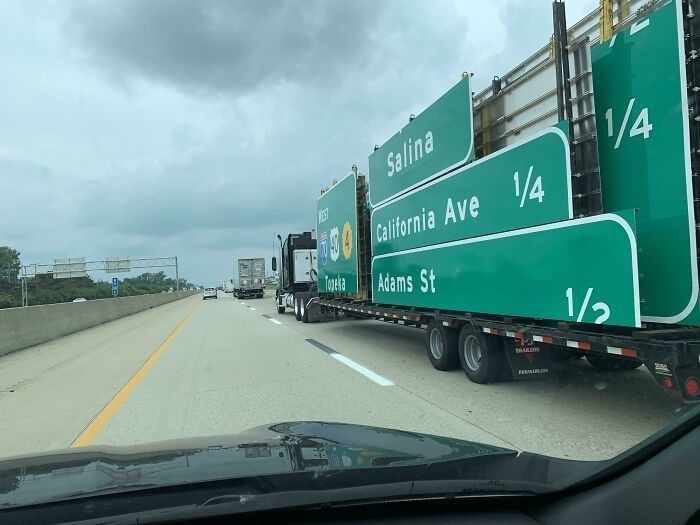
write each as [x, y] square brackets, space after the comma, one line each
[194, 367]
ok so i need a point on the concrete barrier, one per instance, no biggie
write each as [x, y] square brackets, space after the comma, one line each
[24, 327]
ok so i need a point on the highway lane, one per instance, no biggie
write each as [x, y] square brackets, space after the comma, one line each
[232, 368]
[576, 413]
[49, 393]
[211, 367]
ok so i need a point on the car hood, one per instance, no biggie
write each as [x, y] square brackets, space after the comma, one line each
[267, 450]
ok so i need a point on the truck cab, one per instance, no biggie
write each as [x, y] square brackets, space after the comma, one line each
[298, 269]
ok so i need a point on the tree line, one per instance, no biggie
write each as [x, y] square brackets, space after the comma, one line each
[44, 289]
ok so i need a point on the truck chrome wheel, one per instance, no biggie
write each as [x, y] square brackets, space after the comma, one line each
[471, 350]
[437, 345]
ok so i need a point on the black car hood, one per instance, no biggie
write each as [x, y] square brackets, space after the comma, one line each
[267, 450]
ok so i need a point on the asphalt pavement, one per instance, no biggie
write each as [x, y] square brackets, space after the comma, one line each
[195, 367]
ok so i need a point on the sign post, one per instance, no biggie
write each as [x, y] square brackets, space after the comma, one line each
[115, 286]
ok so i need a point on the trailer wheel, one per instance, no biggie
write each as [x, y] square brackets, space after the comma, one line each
[441, 343]
[482, 357]
[611, 364]
[297, 308]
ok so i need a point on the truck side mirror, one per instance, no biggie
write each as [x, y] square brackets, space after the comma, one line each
[274, 264]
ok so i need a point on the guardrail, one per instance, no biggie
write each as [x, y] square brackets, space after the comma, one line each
[32, 325]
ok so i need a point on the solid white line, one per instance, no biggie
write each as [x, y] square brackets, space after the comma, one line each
[382, 381]
[273, 320]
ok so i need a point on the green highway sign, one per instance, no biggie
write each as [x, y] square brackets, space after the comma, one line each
[336, 227]
[525, 184]
[642, 119]
[438, 140]
[580, 270]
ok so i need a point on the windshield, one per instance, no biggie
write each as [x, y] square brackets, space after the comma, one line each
[416, 216]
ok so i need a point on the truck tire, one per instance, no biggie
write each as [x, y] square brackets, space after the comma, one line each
[303, 312]
[297, 308]
[611, 364]
[482, 356]
[441, 344]
[280, 309]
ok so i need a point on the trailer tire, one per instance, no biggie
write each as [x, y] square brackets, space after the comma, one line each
[611, 364]
[297, 308]
[482, 356]
[441, 346]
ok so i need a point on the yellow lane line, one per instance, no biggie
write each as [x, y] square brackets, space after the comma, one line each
[96, 425]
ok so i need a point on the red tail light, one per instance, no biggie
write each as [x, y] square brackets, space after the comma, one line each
[692, 386]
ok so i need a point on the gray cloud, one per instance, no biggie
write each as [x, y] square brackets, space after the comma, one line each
[201, 129]
[231, 46]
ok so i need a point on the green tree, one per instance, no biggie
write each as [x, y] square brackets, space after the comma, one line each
[9, 266]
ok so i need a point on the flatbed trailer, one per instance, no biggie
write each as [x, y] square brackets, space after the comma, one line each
[553, 87]
[672, 355]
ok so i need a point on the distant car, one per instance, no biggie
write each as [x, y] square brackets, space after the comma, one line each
[79, 300]
[209, 293]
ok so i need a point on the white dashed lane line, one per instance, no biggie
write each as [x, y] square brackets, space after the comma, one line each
[373, 376]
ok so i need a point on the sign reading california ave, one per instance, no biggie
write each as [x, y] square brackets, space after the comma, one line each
[438, 140]
[523, 185]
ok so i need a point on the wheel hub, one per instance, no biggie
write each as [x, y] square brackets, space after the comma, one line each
[471, 351]
[437, 345]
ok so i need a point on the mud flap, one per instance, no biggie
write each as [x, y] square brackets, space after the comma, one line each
[528, 360]
[313, 309]
[673, 379]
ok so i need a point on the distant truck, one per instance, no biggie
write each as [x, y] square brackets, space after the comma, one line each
[298, 270]
[228, 286]
[250, 278]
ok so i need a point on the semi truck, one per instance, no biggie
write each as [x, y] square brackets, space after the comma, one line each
[298, 270]
[551, 215]
[227, 286]
[249, 278]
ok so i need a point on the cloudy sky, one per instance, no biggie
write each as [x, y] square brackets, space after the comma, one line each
[202, 128]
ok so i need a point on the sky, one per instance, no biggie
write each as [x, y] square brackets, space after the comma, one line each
[200, 129]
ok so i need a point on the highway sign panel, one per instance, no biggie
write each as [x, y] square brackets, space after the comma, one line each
[115, 286]
[69, 268]
[336, 227]
[438, 140]
[581, 270]
[523, 185]
[643, 144]
[117, 264]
